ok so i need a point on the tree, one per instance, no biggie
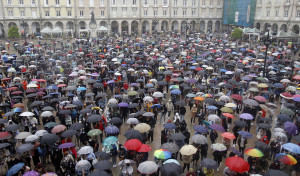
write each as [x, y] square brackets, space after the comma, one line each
[237, 33]
[13, 32]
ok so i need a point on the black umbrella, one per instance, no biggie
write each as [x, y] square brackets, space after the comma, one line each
[116, 121]
[170, 146]
[12, 127]
[210, 101]
[101, 95]
[103, 165]
[132, 105]
[49, 139]
[209, 163]
[24, 148]
[262, 146]
[133, 115]
[297, 138]
[264, 125]
[64, 112]
[36, 103]
[171, 169]
[133, 134]
[31, 95]
[112, 105]
[180, 103]
[235, 151]
[47, 96]
[78, 103]
[48, 108]
[273, 172]
[3, 121]
[94, 118]
[177, 136]
[3, 145]
[240, 123]
[68, 133]
[99, 173]
[76, 126]
[8, 114]
[54, 100]
[97, 85]
[162, 83]
[4, 105]
[102, 155]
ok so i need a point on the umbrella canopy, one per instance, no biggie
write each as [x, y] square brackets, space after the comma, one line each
[68, 133]
[102, 155]
[58, 129]
[83, 165]
[132, 121]
[94, 132]
[228, 135]
[111, 129]
[49, 139]
[32, 138]
[177, 136]
[85, 150]
[148, 167]
[23, 135]
[14, 169]
[218, 147]
[291, 128]
[103, 165]
[237, 164]
[110, 140]
[162, 154]
[170, 146]
[133, 144]
[199, 139]
[142, 127]
[294, 148]
[171, 169]
[66, 145]
[133, 134]
[188, 150]
[217, 127]
[209, 163]
[24, 148]
[31, 173]
[254, 152]
[41, 133]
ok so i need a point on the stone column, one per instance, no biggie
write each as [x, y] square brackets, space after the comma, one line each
[140, 27]
[159, 26]
[120, 27]
[213, 26]
[150, 26]
[129, 27]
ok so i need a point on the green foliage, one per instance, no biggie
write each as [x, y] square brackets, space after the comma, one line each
[237, 33]
[13, 32]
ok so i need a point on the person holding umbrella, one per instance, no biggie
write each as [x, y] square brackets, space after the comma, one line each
[242, 142]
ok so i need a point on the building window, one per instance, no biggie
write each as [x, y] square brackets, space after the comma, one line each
[165, 13]
[102, 2]
[155, 2]
[268, 13]
[69, 2]
[203, 2]
[22, 13]
[175, 3]
[34, 14]
[194, 3]
[10, 13]
[21, 2]
[286, 13]
[80, 3]
[8, 2]
[69, 13]
[145, 13]
[32, 2]
[298, 13]
[47, 13]
[81, 13]
[288, 1]
[57, 13]
[155, 13]
[165, 3]
[276, 13]
[113, 2]
[124, 2]
[218, 2]
[134, 2]
[211, 2]
[145, 2]
[184, 13]
[57, 2]
[193, 13]
[92, 3]
[102, 12]
[46, 2]
[175, 13]
[184, 3]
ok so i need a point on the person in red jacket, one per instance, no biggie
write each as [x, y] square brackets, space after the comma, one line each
[72, 149]
[265, 140]
[126, 86]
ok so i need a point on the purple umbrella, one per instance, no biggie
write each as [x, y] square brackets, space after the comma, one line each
[245, 134]
[201, 129]
[111, 129]
[217, 127]
[110, 81]
[235, 151]
[31, 173]
[123, 105]
[133, 85]
[246, 116]
[66, 145]
[191, 80]
[291, 128]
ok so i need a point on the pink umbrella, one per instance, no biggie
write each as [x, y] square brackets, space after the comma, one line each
[58, 128]
[286, 95]
[260, 99]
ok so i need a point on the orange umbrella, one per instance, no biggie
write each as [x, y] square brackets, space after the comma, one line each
[199, 98]
[228, 115]
[228, 135]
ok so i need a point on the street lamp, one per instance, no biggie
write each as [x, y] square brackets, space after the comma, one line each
[155, 23]
[186, 28]
[23, 22]
[267, 40]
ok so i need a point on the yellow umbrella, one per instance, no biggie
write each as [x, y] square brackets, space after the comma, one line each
[142, 127]
[161, 68]
[96, 108]
[263, 85]
[226, 109]
[188, 150]
[230, 105]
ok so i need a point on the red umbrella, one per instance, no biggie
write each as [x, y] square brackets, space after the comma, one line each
[4, 135]
[133, 144]
[237, 97]
[61, 85]
[261, 99]
[286, 95]
[12, 88]
[198, 69]
[237, 164]
[228, 135]
[144, 148]
[228, 115]
[41, 80]
[16, 92]
[58, 128]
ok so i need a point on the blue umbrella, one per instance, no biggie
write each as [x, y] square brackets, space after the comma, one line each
[81, 88]
[245, 134]
[149, 85]
[243, 49]
[294, 148]
[212, 107]
[111, 129]
[110, 81]
[201, 129]
[278, 85]
[123, 105]
[176, 91]
[291, 128]
[223, 70]
[156, 105]
[170, 126]
[52, 87]
[234, 53]
[110, 140]
[15, 169]
[192, 67]
[297, 99]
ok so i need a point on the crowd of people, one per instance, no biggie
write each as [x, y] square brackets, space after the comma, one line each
[154, 105]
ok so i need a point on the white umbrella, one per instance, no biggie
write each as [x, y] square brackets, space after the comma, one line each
[278, 130]
[148, 98]
[41, 133]
[225, 98]
[83, 164]
[285, 81]
[32, 138]
[85, 150]
[23, 135]
[280, 136]
[132, 121]
[230, 105]
[17, 79]
[11, 70]
[153, 80]
[46, 114]
[199, 139]
[113, 101]
[158, 94]
[214, 117]
[27, 114]
[148, 167]
[31, 85]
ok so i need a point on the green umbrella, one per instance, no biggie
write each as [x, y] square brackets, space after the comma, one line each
[226, 109]
[110, 140]
[50, 125]
[287, 111]
[94, 132]
[132, 93]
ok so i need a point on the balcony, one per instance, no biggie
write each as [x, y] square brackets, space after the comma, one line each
[268, 5]
[286, 4]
